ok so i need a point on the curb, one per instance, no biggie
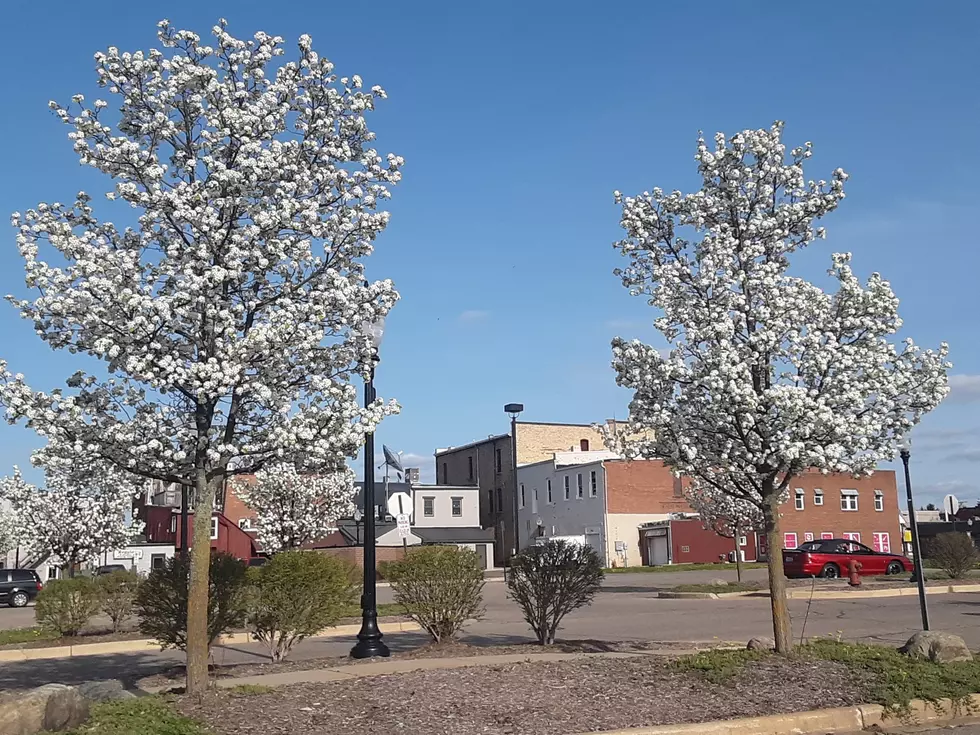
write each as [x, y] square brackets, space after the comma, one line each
[145, 644]
[798, 593]
[667, 595]
[815, 722]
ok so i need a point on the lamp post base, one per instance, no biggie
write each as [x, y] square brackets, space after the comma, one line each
[369, 640]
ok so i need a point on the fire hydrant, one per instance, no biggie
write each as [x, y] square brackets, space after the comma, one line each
[854, 573]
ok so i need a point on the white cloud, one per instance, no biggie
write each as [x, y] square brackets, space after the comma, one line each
[964, 388]
[472, 315]
[966, 454]
[966, 492]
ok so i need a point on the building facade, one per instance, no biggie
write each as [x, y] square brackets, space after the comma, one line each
[489, 465]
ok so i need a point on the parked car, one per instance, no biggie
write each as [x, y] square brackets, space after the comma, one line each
[18, 586]
[109, 569]
[831, 558]
[257, 561]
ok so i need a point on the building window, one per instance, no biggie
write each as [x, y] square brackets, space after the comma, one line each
[882, 543]
[580, 487]
[245, 524]
[214, 527]
[523, 499]
[789, 541]
[568, 492]
[52, 572]
[826, 535]
[157, 561]
[445, 473]
[743, 541]
[799, 498]
[173, 523]
[818, 497]
[879, 500]
[457, 507]
[848, 500]
[584, 445]
[534, 500]
[469, 463]
[550, 498]
[852, 536]
[500, 501]
[807, 536]
[428, 507]
[498, 460]
[593, 484]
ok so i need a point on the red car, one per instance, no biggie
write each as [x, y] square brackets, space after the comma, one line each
[831, 558]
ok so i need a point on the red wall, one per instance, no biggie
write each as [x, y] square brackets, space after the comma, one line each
[231, 539]
[691, 543]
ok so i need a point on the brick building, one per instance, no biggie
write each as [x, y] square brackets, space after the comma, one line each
[488, 464]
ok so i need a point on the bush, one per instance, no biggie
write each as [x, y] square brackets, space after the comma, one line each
[161, 600]
[117, 595]
[140, 716]
[954, 553]
[297, 594]
[552, 580]
[66, 605]
[440, 587]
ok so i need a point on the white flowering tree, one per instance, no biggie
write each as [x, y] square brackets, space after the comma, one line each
[295, 508]
[769, 375]
[77, 517]
[727, 515]
[231, 315]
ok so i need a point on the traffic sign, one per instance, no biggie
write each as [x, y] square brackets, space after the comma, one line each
[400, 504]
[404, 528]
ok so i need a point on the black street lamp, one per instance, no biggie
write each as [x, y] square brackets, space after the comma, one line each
[514, 409]
[906, 453]
[369, 639]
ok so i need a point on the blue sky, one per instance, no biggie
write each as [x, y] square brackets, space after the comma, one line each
[517, 121]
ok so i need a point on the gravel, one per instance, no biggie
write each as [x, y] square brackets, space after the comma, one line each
[578, 696]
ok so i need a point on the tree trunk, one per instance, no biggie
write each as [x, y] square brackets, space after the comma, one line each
[781, 624]
[738, 556]
[197, 596]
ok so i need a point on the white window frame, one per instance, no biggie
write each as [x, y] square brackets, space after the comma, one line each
[852, 536]
[818, 497]
[879, 501]
[826, 535]
[786, 537]
[215, 525]
[593, 484]
[245, 524]
[428, 506]
[849, 500]
[800, 499]
[877, 538]
[534, 500]
[579, 487]
[568, 487]
[551, 498]
[743, 541]
[807, 536]
[457, 502]
[523, 498]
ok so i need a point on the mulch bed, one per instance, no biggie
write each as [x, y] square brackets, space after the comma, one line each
[530, 699]
[174, 677]
[78, 640]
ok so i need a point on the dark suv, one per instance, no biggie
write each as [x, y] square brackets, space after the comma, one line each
[18, 586]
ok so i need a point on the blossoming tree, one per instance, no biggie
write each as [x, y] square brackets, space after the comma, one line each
[231, 313]
[727, 515]
[77, 517]
[294, 508]
[769, 374]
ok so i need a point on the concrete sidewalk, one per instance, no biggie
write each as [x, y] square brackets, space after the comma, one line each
[384, 667]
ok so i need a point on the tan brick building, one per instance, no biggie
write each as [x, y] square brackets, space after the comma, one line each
[489, 464]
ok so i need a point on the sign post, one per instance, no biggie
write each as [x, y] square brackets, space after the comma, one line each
[400, 506]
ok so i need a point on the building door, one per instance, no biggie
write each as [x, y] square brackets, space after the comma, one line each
[482, 552]
[593, 538]
[657, 550]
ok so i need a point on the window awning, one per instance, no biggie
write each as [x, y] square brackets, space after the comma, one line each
[799, 491]
[818, 491]
[848, 492]
[879, 493]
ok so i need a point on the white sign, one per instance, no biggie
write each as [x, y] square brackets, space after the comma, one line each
[400, 504]
[404, 528]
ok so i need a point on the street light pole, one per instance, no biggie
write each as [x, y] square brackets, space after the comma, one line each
[369, 639]
[905, 453]
[514, 409]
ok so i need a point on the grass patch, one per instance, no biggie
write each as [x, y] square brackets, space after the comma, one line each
[682, 568]
[896, 679]
[142, 716]
[718, 666]
[26, 635]
[250, 690]
[385, 609]
[717, 588]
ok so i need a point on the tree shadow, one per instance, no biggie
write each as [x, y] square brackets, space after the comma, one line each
[127, 667]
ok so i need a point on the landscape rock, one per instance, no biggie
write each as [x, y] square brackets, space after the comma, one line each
[937, 646]
[108, 690]
[718, 583]
[762, 644]
[52, 707]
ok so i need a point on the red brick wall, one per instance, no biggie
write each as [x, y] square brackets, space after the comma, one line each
[829, 518]
[231, 539]
[355, 554]
[643, 486]
[235, 509]
[691, 543]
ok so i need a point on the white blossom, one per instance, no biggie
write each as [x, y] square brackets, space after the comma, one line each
[768, 374]
[78, 516]
[293, 508]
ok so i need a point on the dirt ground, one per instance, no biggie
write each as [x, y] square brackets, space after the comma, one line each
[529, 699]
